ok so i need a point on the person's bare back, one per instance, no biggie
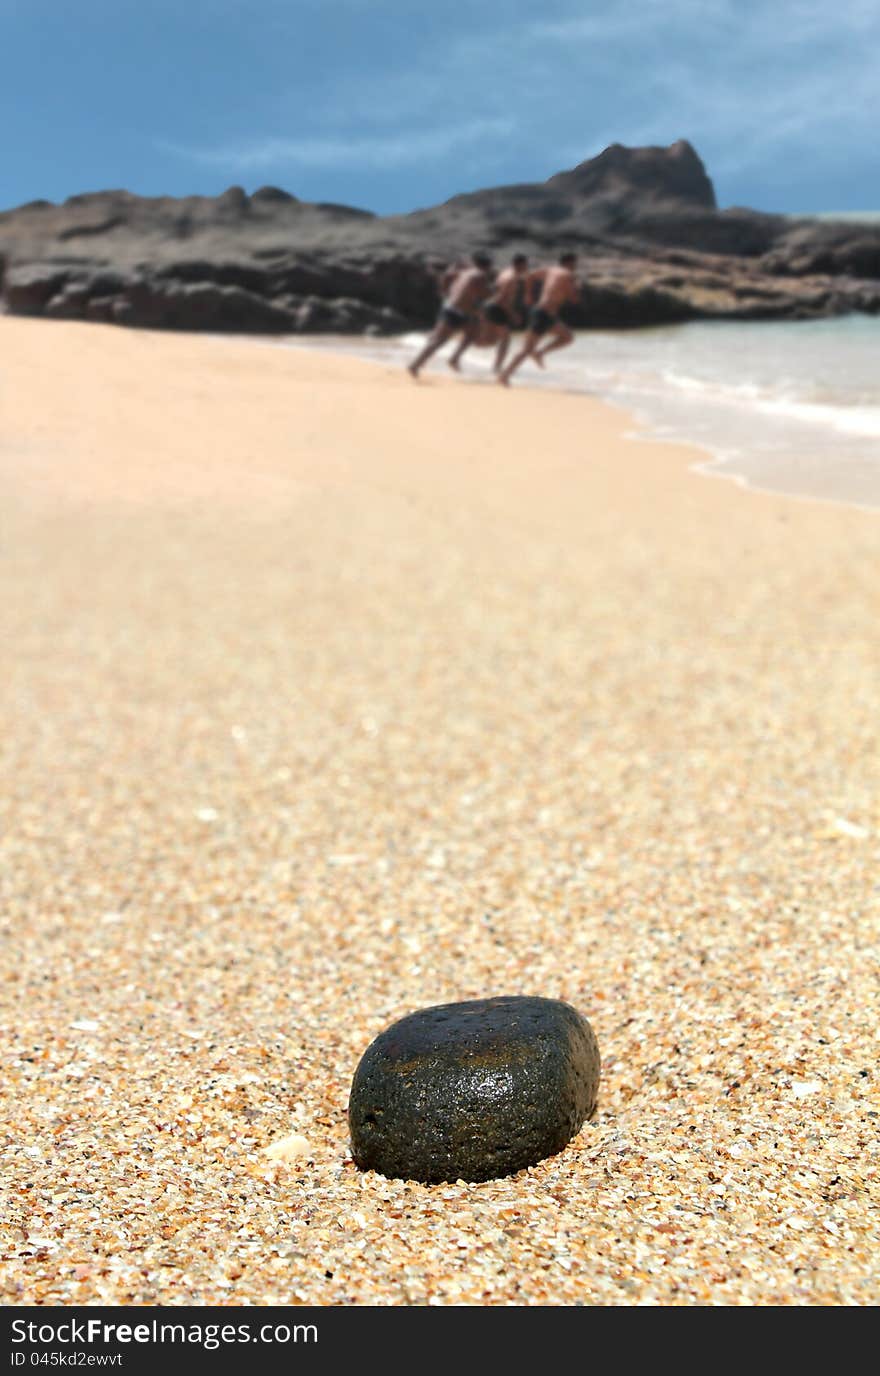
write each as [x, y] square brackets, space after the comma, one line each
[555, 286]
[499, 312]
[507, 288]
[467, 289]
[558, 286]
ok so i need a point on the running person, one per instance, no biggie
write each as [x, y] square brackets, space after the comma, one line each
[500, 312]
[467, 288]
[558, 286]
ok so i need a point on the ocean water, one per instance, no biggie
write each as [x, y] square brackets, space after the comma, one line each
[790, 406]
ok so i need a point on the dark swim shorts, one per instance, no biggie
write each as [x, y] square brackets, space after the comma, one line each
[540, 321]
[496, 315]
[450, 316]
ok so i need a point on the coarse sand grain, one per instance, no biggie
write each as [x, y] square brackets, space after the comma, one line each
[326, 697]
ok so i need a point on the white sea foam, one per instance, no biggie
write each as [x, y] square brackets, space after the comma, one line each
[788, 406]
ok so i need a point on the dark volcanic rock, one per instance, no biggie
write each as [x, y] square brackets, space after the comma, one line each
[738, 233]
[271, 195]
[269, 262]
[88, 231]
[175, 305]
[225, 274]
[344, 315]
[599, 194]
[100, 309]
[621, 307]
[27, 289]
[471, 1091]
[799, 256]
[675, 173]
[234, 201]
[859, 259]
[310, 277]
[406, 285]
[69, 304]
[106, 282]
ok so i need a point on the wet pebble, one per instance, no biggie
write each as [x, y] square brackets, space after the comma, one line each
[472, 1091]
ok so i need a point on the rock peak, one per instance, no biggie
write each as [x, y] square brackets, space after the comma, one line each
[675, 173]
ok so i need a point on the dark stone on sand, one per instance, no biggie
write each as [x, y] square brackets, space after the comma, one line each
[473, 1091]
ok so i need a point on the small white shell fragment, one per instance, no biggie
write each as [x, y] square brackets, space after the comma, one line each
[848, 828]
[292, 1148]
[802, 1088]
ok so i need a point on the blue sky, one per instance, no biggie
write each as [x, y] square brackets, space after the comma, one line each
[396, 104]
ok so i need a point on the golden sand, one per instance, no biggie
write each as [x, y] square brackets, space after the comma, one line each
[327, 696]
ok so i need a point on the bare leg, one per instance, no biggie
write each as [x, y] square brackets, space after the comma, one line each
[467, 338]
[501, 351]
[560, 336]
[528, 348]
[438, 336]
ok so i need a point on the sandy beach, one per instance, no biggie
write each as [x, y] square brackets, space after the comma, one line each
[328, 696]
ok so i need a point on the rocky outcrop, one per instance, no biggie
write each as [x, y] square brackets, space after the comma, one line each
[190, 298]
[27, 290]
[675, 174]
[655, 249]
[801, 255]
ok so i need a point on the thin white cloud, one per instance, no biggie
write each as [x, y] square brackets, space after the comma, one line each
[375, 152]
[752, 85]
[759, 89]
[639, 17]
[749, 26]
[753, 111]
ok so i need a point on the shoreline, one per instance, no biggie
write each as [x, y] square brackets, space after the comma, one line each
[644, 427]
[705, 470]
[800, 485]
[331, 697]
